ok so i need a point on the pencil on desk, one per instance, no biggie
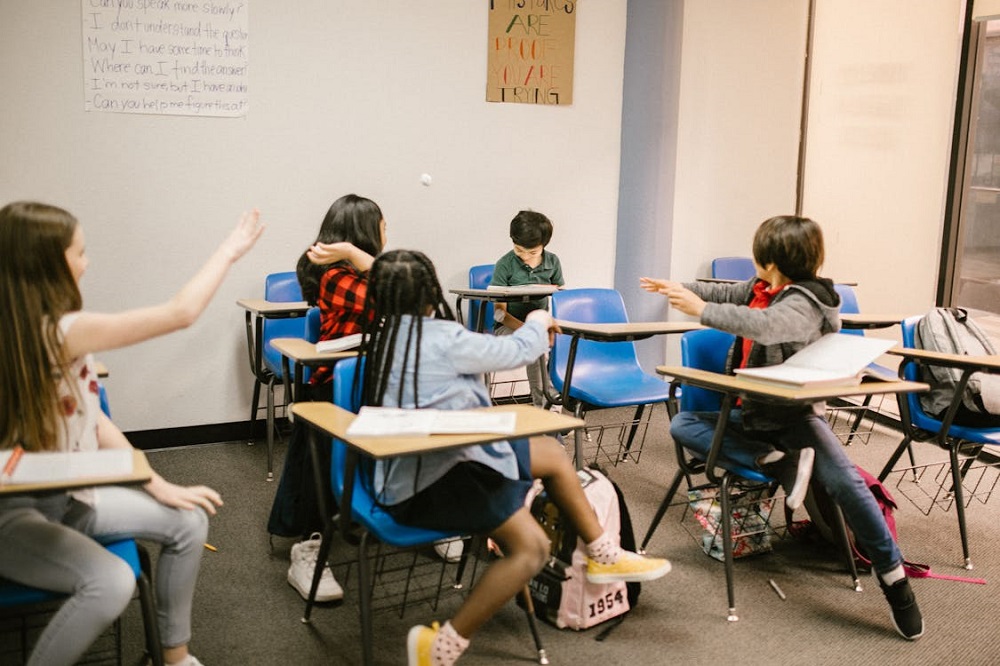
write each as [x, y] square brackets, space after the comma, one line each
[11, 465]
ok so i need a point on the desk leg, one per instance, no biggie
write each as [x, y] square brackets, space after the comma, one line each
[578, 411]
[253, 347]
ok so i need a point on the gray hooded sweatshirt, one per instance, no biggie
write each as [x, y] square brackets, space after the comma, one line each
[799, 314]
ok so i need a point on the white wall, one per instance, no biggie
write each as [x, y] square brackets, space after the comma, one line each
[345, 96]
[880, 122]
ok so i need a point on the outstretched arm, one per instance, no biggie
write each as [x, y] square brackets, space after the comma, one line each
[94, 332]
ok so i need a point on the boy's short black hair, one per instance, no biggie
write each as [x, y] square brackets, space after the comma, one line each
[530, 229]
[793, 244]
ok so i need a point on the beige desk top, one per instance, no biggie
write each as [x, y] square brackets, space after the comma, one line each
[505, 294]
[141, 473]
[334, 421]
[264, 308]
[761, 390]
[868, 320]
[989, 364]
[629, 331]
[304, 352]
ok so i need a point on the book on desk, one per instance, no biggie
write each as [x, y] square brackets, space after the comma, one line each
[540, 289]
[67, 466]
[344, 343]
[836, 359]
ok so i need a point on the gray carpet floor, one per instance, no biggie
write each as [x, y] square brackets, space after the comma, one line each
[246, 613]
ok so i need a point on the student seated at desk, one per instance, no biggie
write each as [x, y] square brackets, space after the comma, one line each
[774, 315]
[49, 402]
[333, 275]
[418, 356]
[528, 263]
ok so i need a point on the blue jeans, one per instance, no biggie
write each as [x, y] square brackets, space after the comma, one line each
[832, 469]
[49, 542]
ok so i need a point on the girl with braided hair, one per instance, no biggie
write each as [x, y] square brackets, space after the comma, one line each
[418, 356]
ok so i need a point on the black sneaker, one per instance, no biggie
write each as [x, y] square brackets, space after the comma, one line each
[906, 615]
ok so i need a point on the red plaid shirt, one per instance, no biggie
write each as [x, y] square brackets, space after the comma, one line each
[342, 292]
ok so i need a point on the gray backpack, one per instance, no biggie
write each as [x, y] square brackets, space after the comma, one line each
[951, 330]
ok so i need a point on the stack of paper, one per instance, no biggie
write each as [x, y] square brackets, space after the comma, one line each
[386, 421]
[540, 289]
[835, 359]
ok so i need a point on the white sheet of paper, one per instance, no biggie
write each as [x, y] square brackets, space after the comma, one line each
[835, 357]
[62, 466]
[384, 421]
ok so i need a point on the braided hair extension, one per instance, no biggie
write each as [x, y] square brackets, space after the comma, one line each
[402, 287]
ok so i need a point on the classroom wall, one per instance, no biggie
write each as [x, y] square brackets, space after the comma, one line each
[345, 96]
[879, 128]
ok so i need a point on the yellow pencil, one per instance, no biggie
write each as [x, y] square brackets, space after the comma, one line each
[211, 548]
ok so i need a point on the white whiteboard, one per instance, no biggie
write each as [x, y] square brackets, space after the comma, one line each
[165, 57]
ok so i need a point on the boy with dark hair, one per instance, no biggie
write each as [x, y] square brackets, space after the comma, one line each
[784, 308]
[528, 263]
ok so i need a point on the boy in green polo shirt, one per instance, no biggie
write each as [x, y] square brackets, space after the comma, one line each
[527, 263]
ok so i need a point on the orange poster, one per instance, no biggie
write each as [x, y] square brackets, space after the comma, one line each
[530, 59]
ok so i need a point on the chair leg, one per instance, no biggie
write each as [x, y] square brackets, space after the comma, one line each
[840, 527]
[664, 505]
[529, 610]
[894, 458]
[365, 601]
[639, 409]
[726, 521]
[147, 602]
[959, 492]
[858, 418]
[321, 561]
[270, 429]
[253, 410]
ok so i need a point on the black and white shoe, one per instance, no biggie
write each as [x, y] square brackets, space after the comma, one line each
[803, 472]
[905, 615]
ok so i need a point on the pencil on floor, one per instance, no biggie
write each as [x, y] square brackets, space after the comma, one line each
[211, 548]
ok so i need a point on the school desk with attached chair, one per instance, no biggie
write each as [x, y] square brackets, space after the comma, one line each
[333, 421]
[722, 472]
[955, 439]
[598, 346]
[513, 294]
[260, 315]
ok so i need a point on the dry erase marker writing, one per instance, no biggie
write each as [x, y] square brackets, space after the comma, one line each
[211, 548]
[781, 595]
[8, 469]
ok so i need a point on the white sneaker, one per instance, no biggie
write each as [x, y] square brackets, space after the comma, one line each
[300, 573]
[450, 550]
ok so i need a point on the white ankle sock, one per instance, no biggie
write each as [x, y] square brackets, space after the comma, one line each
[448, 646]
[891, 577]
[604, 550]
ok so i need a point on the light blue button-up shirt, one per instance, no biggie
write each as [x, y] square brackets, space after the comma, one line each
[452, 362]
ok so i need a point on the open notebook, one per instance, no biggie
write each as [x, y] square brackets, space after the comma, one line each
[835, 359]
[47, 467]
[388, 421]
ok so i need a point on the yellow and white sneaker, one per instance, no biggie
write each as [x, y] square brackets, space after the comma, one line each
[419, 642]
[630, 568]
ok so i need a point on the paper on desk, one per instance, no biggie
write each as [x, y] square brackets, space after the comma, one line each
[384, 421]
[835, 359]
[61, 466]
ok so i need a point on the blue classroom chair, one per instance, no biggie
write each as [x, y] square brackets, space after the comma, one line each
[707, 349]
[479, 278]
[733, 268]
[376, 523]
[920, 426]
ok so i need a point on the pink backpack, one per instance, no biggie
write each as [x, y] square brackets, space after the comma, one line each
[561, 594]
